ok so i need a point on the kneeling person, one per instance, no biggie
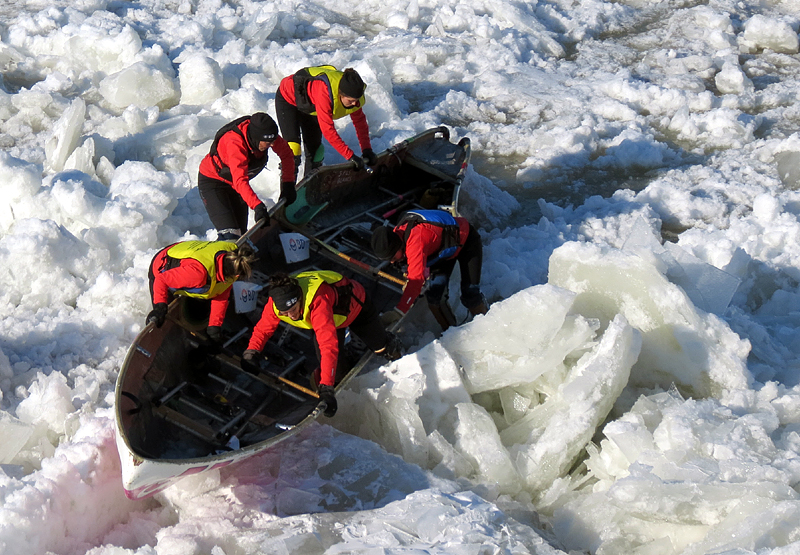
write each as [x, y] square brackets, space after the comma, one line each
[327, 303]
[431, 242]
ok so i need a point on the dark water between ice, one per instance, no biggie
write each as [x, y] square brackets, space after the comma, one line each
[560, 187]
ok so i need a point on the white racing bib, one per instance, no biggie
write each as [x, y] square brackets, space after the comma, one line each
[295, 247]
[245, 295]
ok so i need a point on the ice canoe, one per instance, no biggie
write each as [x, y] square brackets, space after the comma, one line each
[185, 405]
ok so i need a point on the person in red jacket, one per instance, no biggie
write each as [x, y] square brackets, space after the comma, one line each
[197, 269]
[327, 303]
[310, 100]
[238, 154]
[431, 242]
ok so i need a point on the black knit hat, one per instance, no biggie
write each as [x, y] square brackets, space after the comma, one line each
[285, 296]
[385, 243]
[262, 128]
[351, 84]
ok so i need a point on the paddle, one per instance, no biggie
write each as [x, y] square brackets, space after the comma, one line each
[222, 353]
[243, 364]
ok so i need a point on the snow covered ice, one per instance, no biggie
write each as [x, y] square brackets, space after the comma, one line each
[635, 387]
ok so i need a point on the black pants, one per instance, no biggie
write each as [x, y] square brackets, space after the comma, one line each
[369, 329]
[470, 261]
[226, 208]
[293, 122]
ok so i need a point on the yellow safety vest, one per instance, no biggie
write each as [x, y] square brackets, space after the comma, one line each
[331, 76]
[205, 252]
[309, 283]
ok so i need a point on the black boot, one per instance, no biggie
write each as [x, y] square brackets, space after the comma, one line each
[311, 166]
[480, 308]
[443, 314]
[393, 349]
[228, 235]
[474, 301]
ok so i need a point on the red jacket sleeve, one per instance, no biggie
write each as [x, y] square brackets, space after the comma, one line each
[286, 89]
[219, 306]
[362, 129]
[188, 275]
[423, 241]
[265, 327]
[234, 152]
[320, 96]
[284, 151]
[325, 332]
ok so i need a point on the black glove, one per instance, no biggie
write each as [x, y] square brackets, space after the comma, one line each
[288, 192]
[214, 333]
[394, 348]
[249, 363]
[158, 314]
[357, 161]
[369, 157]
[261, 213]
[326, 393]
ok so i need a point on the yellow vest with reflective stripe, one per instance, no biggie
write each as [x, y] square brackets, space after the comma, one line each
[205, 253]
[334, 76]
[309, 283]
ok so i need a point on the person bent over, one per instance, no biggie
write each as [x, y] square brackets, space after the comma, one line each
[327, 303]
[198, 269]
[239, 153]
[431, 242]
[309, 101]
